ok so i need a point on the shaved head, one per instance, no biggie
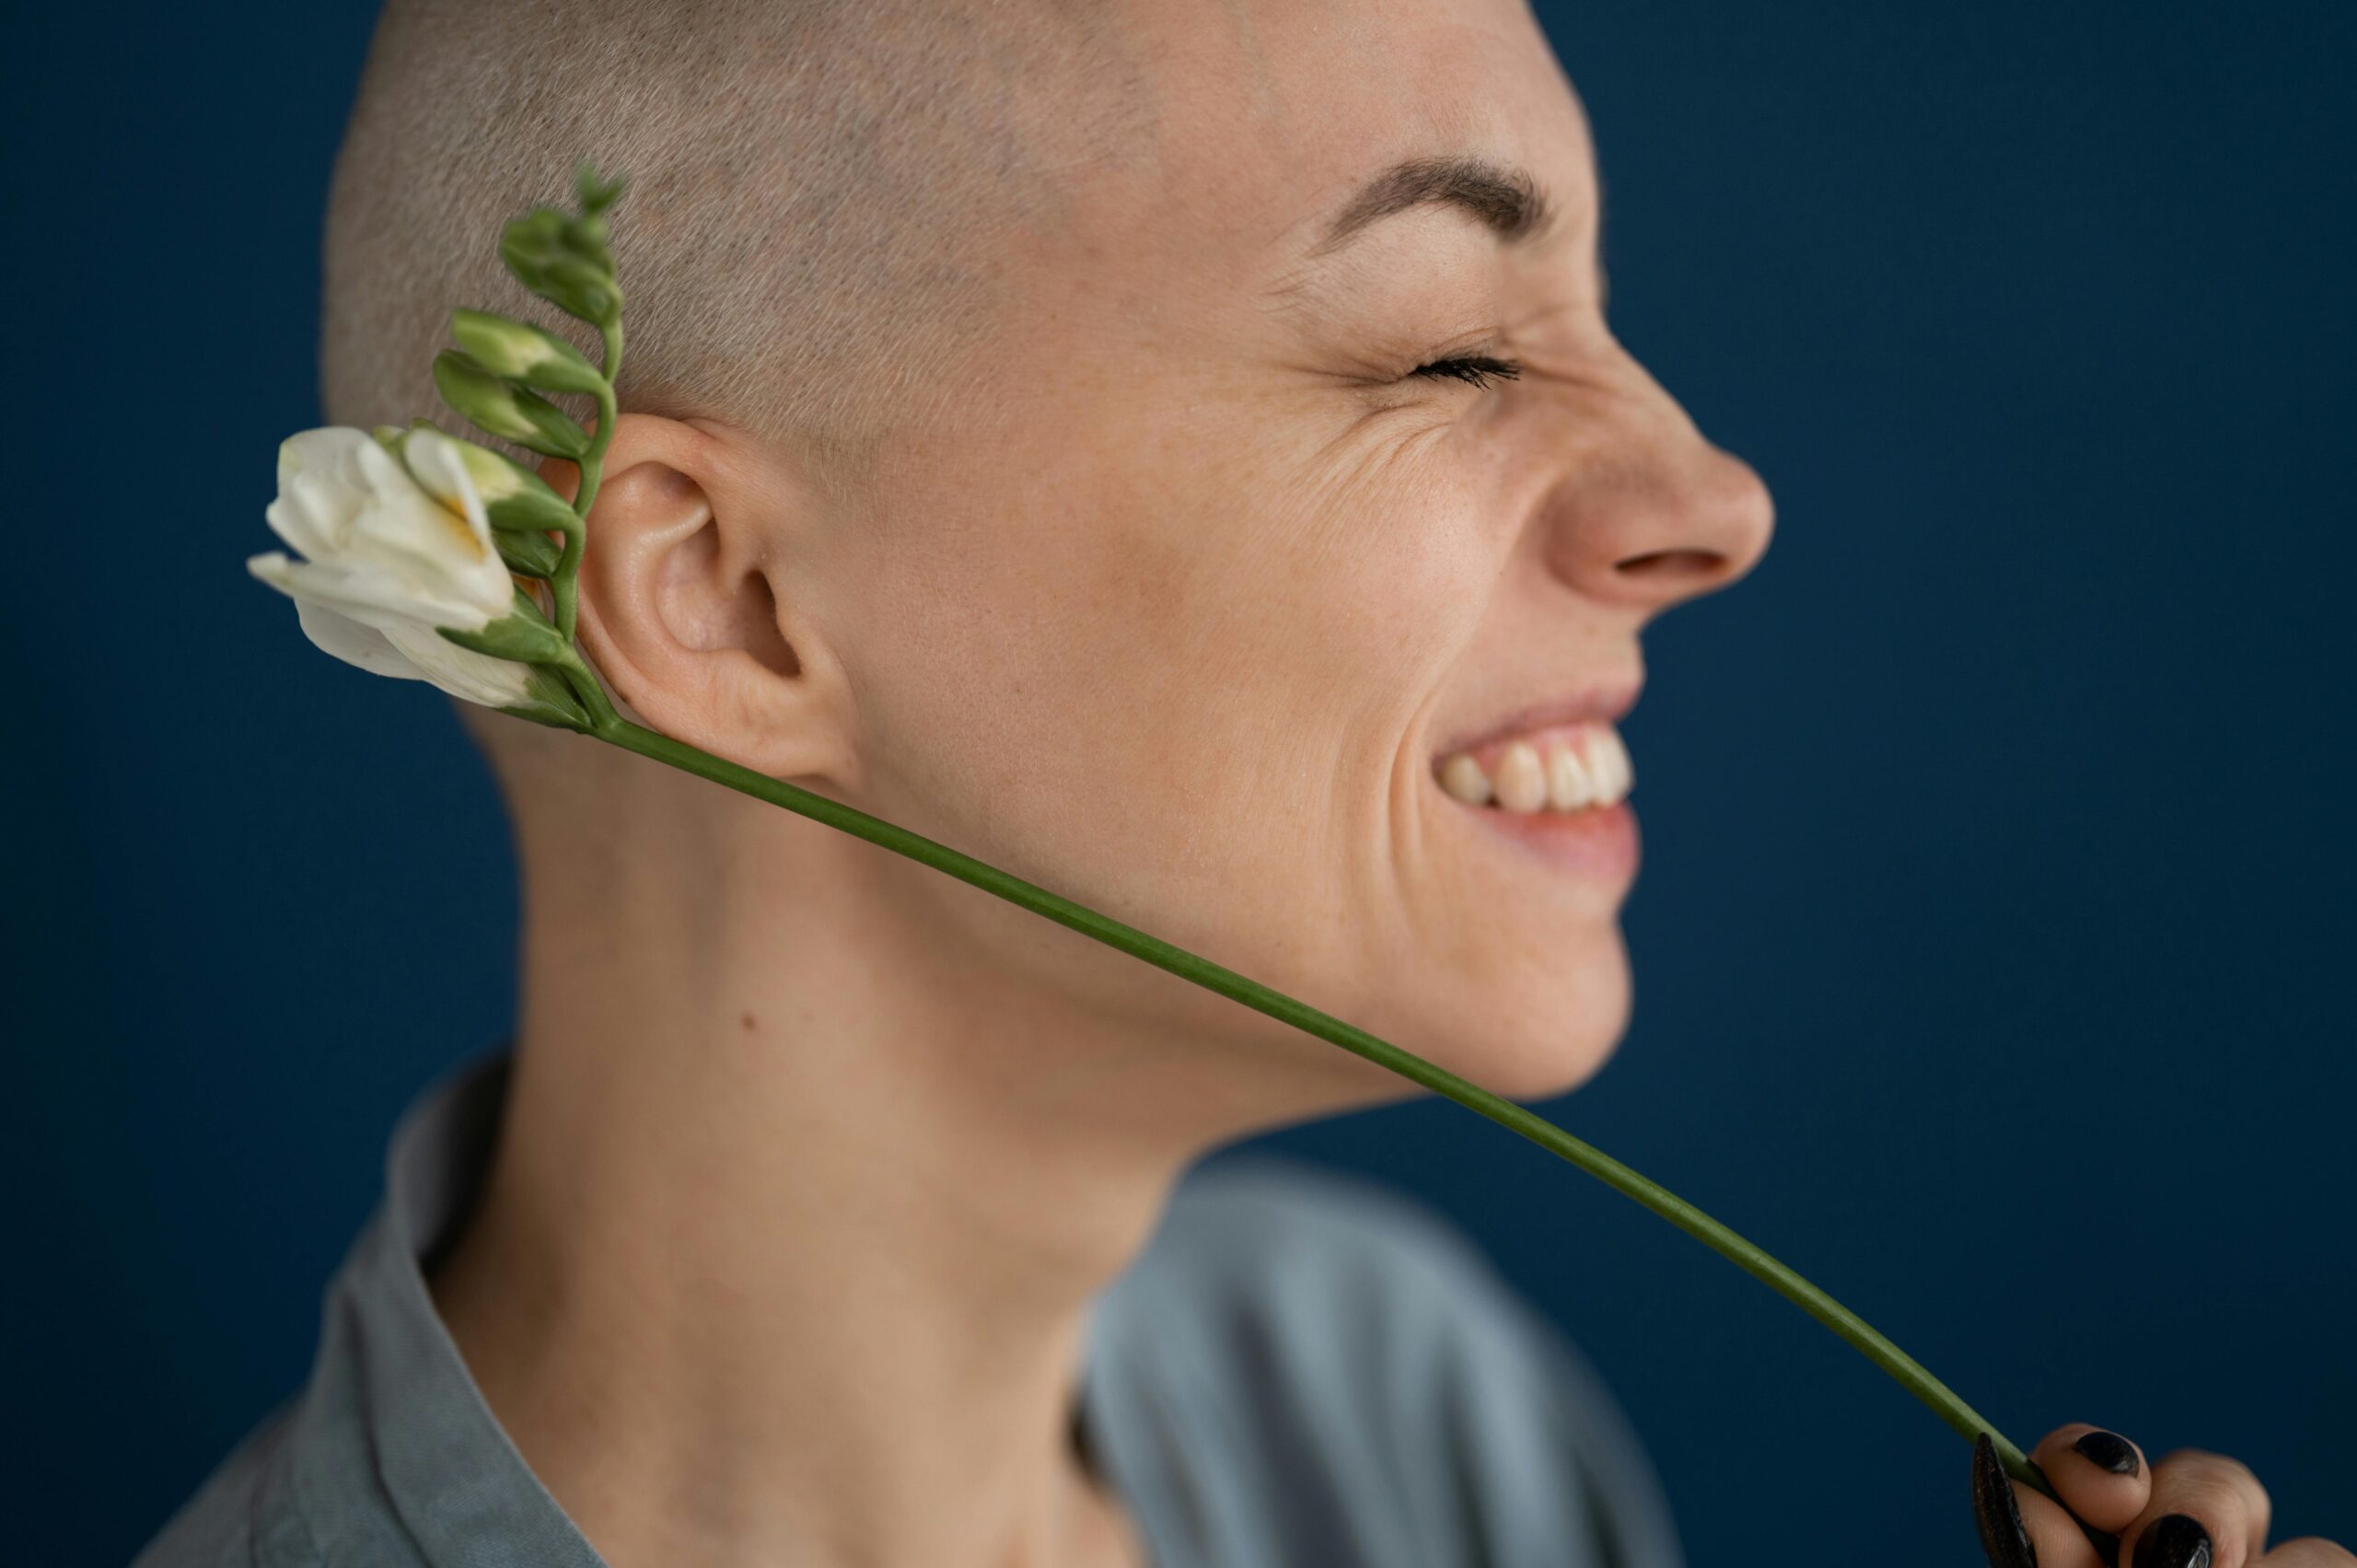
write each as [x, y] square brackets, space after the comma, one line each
[813, 235]
[817, 190]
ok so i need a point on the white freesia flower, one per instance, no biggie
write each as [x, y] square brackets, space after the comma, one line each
[389, 558]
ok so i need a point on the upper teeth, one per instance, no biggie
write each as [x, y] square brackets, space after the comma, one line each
[1559, 770]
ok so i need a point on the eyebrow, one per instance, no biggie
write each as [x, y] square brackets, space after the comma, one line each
[1506, 198]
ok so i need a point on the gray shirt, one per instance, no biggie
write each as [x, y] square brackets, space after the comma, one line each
[1301, 1371]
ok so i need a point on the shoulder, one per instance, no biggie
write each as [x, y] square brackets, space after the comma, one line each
[1352, 1277]
[1354, 1341]
[1335, 1266]
[217, 1526]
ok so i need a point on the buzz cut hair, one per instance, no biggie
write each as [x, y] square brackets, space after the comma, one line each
[816, 188]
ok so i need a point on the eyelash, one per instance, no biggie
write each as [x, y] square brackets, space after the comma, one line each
[1474, 369]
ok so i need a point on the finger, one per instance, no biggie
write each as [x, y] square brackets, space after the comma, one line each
[2018, 1527]
[2058, 1541]
[2100, 1475]
[1996, 1510]
[2206, 1511]
[2308, 1551]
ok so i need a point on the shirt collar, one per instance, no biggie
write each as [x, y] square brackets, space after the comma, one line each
[394, 1445]
[395, 1434]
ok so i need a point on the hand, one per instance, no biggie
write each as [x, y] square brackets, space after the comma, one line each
[2192, 1510]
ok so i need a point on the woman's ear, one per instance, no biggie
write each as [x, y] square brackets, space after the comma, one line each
[683, 608]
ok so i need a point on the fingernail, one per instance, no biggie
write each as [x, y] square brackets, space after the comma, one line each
[2175, 1540]
[2004, 1539]
[2108, 1450]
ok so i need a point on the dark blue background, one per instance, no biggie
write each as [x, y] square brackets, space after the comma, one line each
[1991, 946]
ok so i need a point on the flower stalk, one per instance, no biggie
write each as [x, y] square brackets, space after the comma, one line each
[1745, 1254]
[524, 659]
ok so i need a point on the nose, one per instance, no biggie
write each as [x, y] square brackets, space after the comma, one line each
[1648, 511]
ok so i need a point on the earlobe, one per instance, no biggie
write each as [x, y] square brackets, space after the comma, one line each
[679, 612]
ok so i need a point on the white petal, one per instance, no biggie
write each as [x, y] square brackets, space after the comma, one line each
[403, 532]
[330, 630]
[354, 644]
[314, 513]
[377, 470]
[328, 450]
[462, 672]
[324, 483]
[436, 463]
[440, 467]
[366, 592]
[418, 540]
[406, 650]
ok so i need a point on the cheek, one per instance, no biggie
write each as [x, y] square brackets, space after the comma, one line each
[1261, 632]
[1295, 594]
[1169, 661]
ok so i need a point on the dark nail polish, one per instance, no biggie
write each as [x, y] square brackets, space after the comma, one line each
[2173, 1541]
[2004, 1539]
[2108, 1450]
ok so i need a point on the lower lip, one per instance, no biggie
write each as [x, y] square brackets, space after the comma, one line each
[1597, 841]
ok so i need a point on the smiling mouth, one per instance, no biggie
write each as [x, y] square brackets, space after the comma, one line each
[1564, 769]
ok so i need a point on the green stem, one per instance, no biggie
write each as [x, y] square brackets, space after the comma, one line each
[583, 681]
[564, 588]
[1910, 1375]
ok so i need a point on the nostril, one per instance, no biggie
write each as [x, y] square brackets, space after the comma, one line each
[1673, 566]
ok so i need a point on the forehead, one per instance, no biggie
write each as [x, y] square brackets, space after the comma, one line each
[1267, 114]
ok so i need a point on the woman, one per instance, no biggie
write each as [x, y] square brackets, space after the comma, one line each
[1174, 454]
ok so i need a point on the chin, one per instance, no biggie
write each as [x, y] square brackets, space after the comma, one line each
[1551, 1068]
[1560, 1026]
[1565, 1026]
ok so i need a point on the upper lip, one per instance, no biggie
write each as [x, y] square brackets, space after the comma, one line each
[1602, 702]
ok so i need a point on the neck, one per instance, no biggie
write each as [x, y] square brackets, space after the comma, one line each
[787, 1251]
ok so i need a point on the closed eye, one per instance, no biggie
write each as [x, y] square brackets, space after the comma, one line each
[1476, 369]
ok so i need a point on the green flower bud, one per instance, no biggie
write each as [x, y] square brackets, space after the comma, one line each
[594, 194]
[514, 497]
[538, 233]
[524, 353]
[582, 288]
[529, 554]
[547, 700]
[522, 636]
[506, 411]
[566, 261]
